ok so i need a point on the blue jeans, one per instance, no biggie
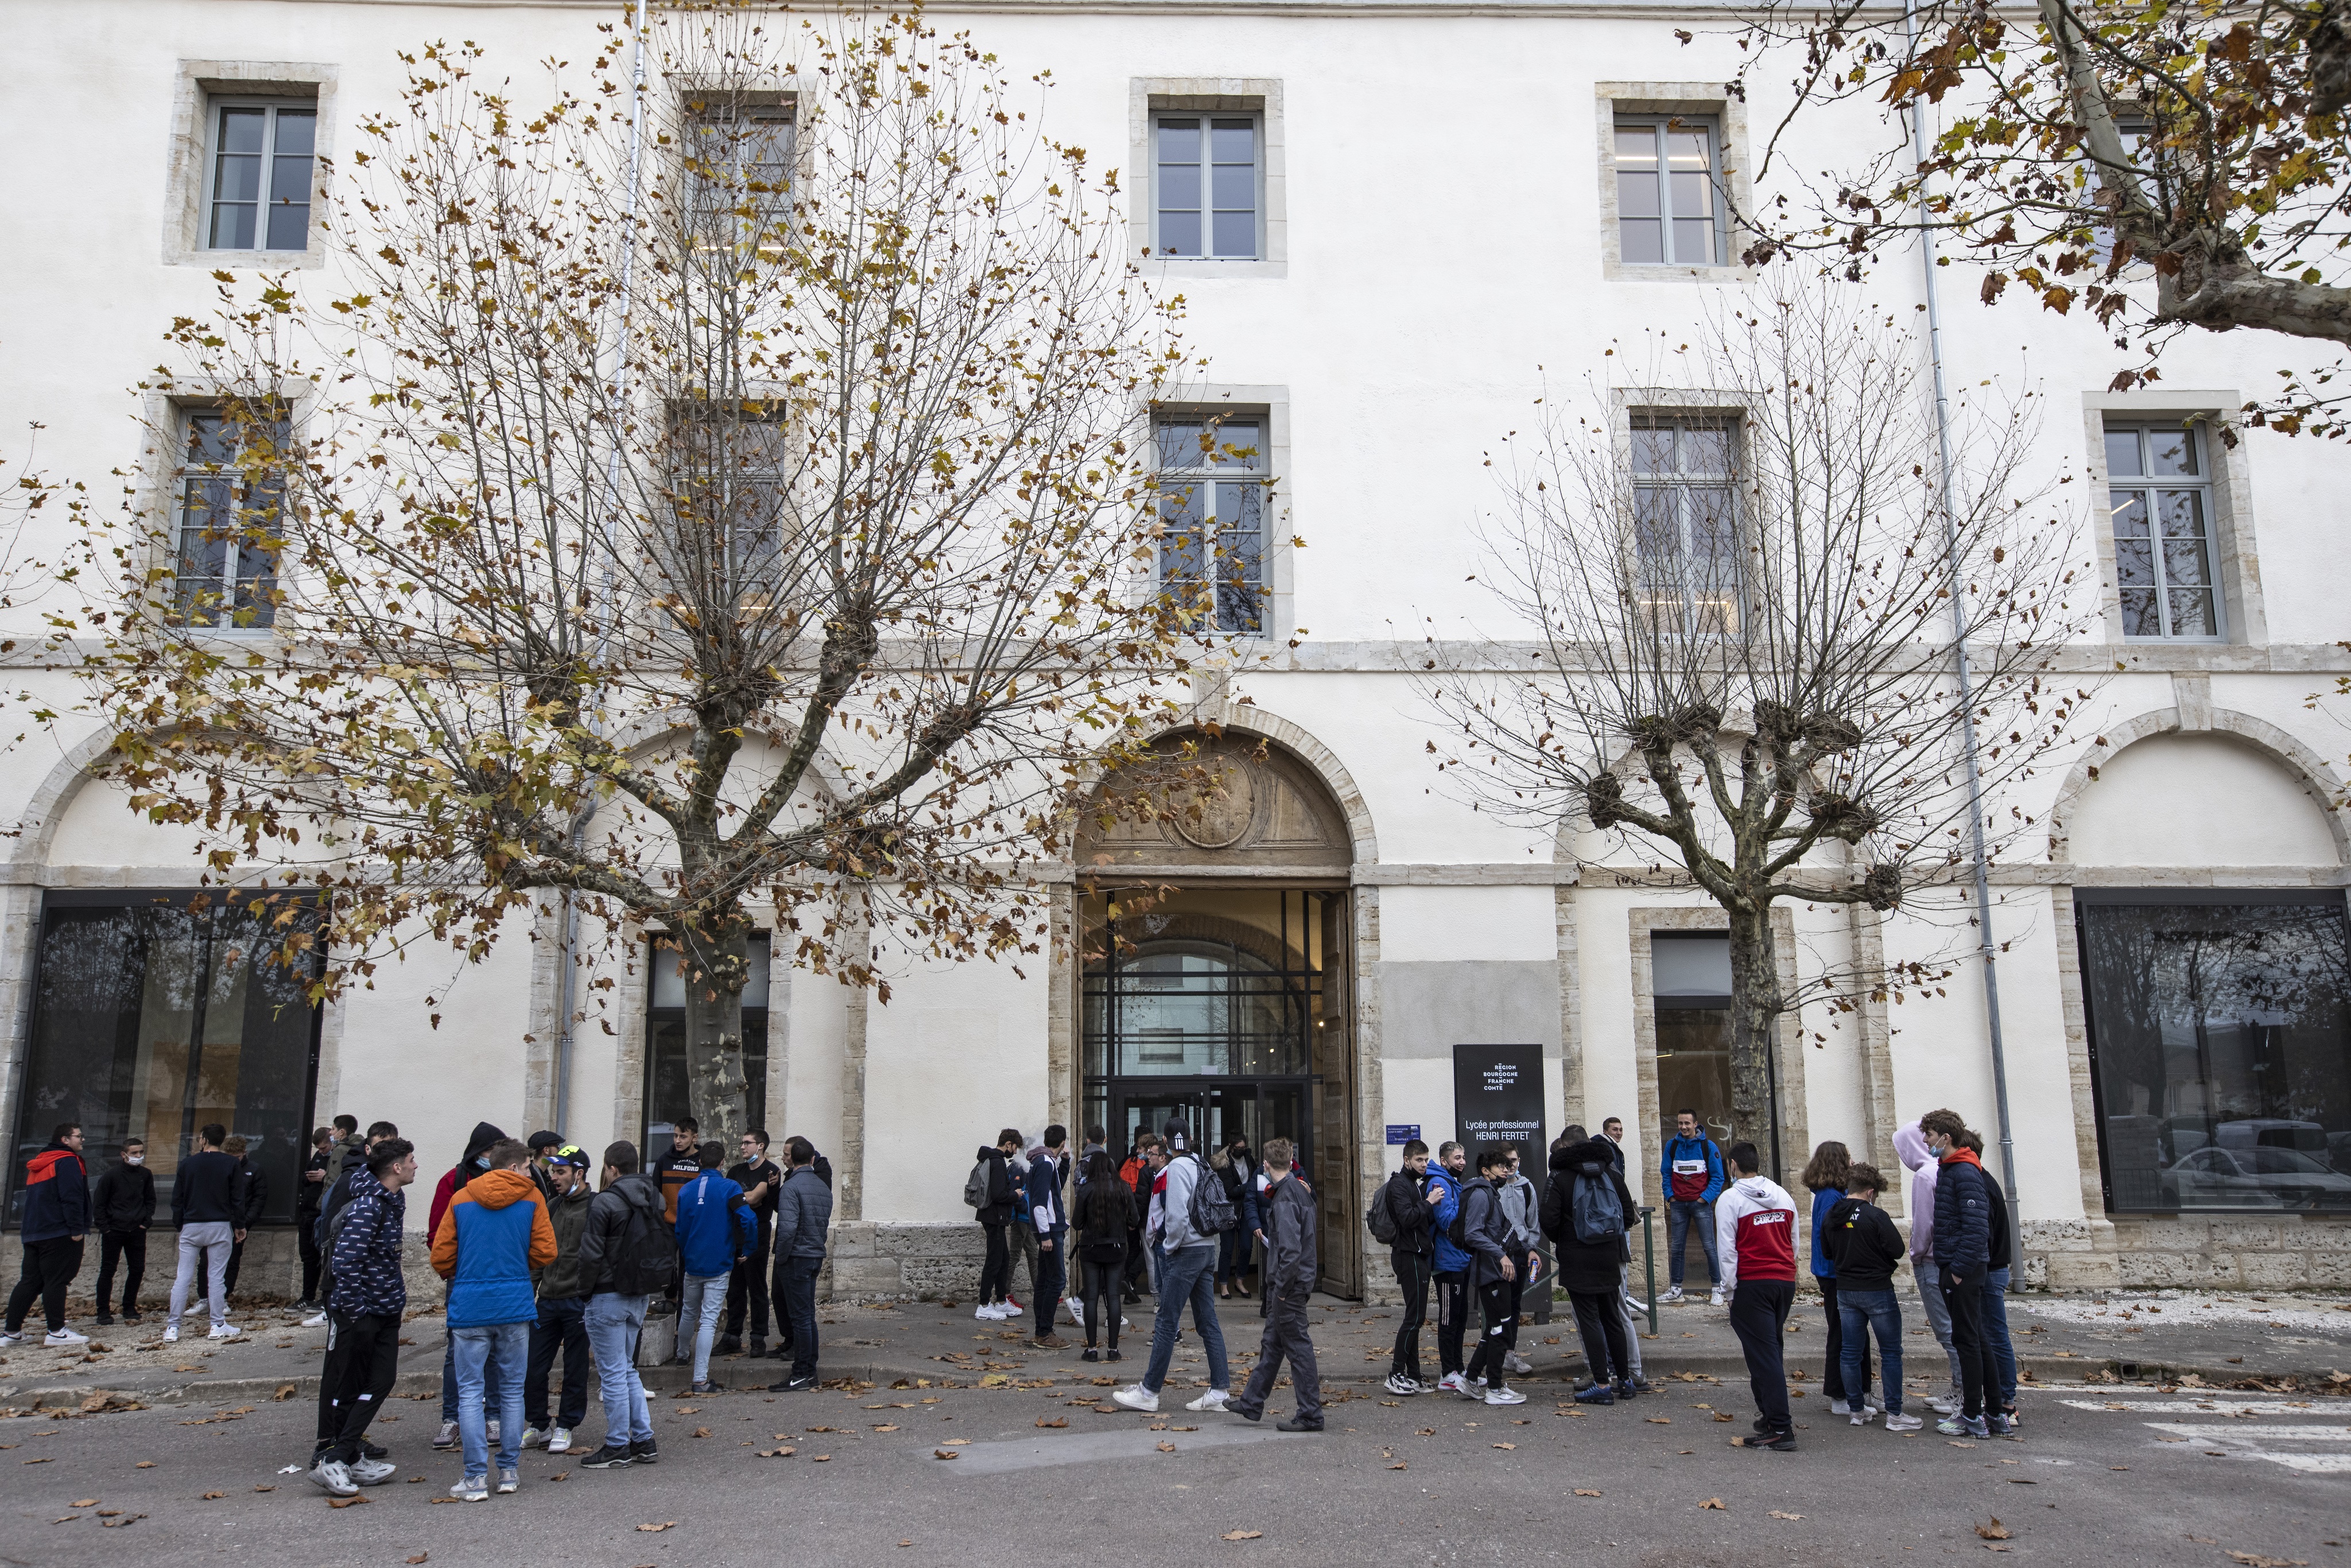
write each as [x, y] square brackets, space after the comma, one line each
[1187, 1274]
[1865, 1312]
[614, 1324]
[474, 1347]
[704, 1299]
[1679, 1217]
[2003, 1352]
[494, 1376]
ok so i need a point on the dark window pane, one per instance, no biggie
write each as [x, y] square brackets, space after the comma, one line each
[2222, 1051]
[2184, 564]
[1232, 141]
[1179, 444]
[1179, 140]
[2141, 616]
[1237, 444]
[1653, 449]
[2135, 563]
[2192, 613]
[289, 226]
[238, 179]
[2183, 512]
[1705, 449]
[1657, 522]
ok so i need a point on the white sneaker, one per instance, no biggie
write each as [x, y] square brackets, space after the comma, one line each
[1214, 1399]
[1942, 1404]
[446, 1438]
[988, 1314]
[335, 1476]
[8, 1338]
[532, 1437]
[1672, 1293]
[1903, 1422]
[1505, 1396]
[171, 1333]
[1449, 1384]
[1519, 1363]
[1008, 1307]
[373, 1472]
[490, 1430]
[1715, 1299]
[1077, 1313]
[474, 1491]
[223, 1330]
[1399, 1382]
[509, 1482]
[1137, 1397]
[316, 1319]
[1860, 1417]
[65, 1337]
[559, 1440]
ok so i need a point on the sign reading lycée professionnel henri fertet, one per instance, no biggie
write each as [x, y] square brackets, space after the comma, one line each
[1497, 1098]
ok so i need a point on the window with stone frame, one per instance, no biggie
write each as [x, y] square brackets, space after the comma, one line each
[1686, 555]
[2159, 498]
[258, 174]
[1211, 484]
[231, 504]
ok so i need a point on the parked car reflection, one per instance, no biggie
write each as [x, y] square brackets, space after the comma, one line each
[2254, 1177]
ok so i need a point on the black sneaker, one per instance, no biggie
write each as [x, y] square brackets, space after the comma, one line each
[792, 1385]
[1762, 1424]
[729, 1345]
[707, 1386]
[758, 1346]
[106, 1320]
[1112, 1354]
[1778, 1442]
[131, 1317]
[371, 1451]
[1298, 1424]
[610, 1457]
[1233, 1409]
[645, 1453]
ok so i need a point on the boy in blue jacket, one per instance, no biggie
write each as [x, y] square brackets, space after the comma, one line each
[716, 1229]
[1452, 1272]
[1692, 1173]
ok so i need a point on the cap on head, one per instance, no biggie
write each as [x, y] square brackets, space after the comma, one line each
[1174, 1132]
[545, 1140]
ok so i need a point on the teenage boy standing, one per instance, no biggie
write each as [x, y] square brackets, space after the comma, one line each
[803, 1218]
[1755, 1238]
[714, 1230]
[1045, 1208]
[1288, 1283]
[1962, 1245]
[626, 1253]
[1867, 1250]
[57, 1218]
[1692, 1170]
[363, 1315]
[759, 1176]
[1450, 1260]
[124, 1206]
[1410, 1200]
[208, 1207]
[562, 1324]
[494, 1233]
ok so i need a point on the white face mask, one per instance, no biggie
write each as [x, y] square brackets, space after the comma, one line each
[134, 1159]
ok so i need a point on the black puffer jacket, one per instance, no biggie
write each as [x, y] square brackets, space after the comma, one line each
[1586, 1268]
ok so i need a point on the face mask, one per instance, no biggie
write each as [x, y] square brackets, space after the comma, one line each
[134, 1159]
[483, 1162]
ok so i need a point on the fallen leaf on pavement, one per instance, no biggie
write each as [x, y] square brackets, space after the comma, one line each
[957, 1443]
[1506, 1445]
[945, 1454]
[822, 1459]
[264, 1488]
[1713, 1502]
[557, 1476]
[777, 1453]
[355, 1501]
[214, 1496]
[890, 1428]
[420, 1557]
[1659, 1420]
[657, 1529]
[1166, 1447]
[1995, 1530]
[1587, 1491]
[2255, 1560]
[1720, 1417]
[85, 1503]
[1398, 1465]
[1056, 1421]
[285, 1391]
[1429, 1431]
[1243, 1534]
[135, 1518]
[42, 1461]
[141, 1465]
[1777, 1514]
[702, 1431]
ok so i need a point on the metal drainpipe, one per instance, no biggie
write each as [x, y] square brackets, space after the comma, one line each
[563, 1047]
[1986, 947]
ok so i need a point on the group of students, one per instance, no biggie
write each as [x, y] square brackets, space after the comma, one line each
[217, 1195]
[542, 1260]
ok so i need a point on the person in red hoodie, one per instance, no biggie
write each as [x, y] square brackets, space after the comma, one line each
[57, 1218]
[1755, 1235]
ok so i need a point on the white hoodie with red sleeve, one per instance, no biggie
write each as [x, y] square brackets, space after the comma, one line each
[1755, 1231]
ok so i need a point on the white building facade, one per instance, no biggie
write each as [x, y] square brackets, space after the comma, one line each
[1392, 222]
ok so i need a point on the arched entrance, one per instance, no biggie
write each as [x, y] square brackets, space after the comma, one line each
[1217, 977]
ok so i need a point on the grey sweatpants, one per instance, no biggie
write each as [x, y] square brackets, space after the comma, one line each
[204, 1246]
[1285, 1337]
[1929, 1280]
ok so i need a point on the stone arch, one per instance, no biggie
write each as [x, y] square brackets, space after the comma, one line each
[1324, 762]
[54, 796]
[2309, 771]
[1289, 807]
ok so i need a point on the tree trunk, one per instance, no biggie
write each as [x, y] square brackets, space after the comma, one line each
[1755, 1007]
[718, 962]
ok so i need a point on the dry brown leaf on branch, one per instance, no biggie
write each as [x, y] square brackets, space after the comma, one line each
[1713, 1502]
[1995, 1530]
[1243, 1534]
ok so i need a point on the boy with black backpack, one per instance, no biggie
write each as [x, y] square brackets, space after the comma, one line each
[628, 1252]
[1402, 1218]
[1496, 1266]
[1189, 1210]
[1586, 1212]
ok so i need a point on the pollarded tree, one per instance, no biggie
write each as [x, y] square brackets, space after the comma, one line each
[778, 393]
[1743, 595]
[2161, 166]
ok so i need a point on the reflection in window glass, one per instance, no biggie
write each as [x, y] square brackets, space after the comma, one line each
[261, 176]
[231, 512]
[2221, 1044]
[1211, 480]
[152, 1020]
[668, 1088]
[1194, 996]
[2162, 501]
[1207, 185]
[1684, 523]
[1667, 201]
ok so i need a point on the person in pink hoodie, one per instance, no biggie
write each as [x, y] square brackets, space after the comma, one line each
[1911, 1145]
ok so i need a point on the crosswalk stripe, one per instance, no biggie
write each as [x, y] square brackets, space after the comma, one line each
[2256, 1433]
[2201, 1407]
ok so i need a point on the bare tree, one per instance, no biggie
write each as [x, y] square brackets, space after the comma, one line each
[1741, 579]
[2162, 167]
[722, 484]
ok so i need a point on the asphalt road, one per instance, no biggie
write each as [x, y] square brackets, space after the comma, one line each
[2098, 1476]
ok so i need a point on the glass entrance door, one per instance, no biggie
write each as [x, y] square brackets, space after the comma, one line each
[1215, 1112]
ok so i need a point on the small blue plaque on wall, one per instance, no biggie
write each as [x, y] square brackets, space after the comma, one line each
[1403, 1131]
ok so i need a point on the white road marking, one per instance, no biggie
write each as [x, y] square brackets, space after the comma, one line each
[2255, 1433]
[2201, 1407]
[2226, 1427]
